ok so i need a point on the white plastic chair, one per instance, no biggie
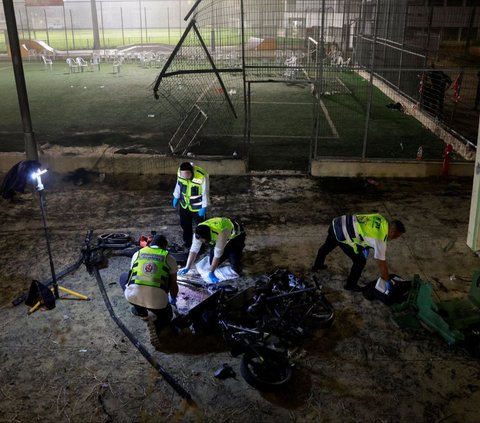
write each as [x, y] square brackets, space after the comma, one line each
[337, 58]
[48, 62]
[72, 65]
[346, 63]
[81, 63]
[146, 59]
[291, 70]
[117, 65]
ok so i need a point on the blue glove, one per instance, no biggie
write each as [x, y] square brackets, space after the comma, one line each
[202, 211]
[183, 271]
[388, 286]
[173, 301]
[175, 202]
[365, 253]
[213, 278]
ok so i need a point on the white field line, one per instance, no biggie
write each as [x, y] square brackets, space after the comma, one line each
[330, 122]
[333, 128]
[341, 82]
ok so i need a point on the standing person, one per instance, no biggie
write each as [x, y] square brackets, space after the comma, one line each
[355, 235]
[151, 280]
[227, 240]
[192, 192]
[440, 82]
[477, 96]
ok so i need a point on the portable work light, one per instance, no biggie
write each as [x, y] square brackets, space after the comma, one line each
[38, 177]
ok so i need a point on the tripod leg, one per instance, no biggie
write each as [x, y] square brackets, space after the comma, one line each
[35, 307]
[61, 288]
[76, 294]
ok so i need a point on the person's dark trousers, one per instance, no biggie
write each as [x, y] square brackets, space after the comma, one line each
[358, 265]
[164, 315]
[123, 280]
[233, 252]
[187, 218]
[358, 260]
[328, 246]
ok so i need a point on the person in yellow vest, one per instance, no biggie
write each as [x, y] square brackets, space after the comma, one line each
[192, 193]
[356, 234]
[151, 280]
[226, 238]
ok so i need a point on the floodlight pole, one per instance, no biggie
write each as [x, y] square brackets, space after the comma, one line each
[96, 32]
[39, 187]
[28, 136]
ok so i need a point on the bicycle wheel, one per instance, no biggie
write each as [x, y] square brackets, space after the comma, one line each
[265, 370]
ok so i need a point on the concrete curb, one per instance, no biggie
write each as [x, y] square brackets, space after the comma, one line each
[387, 169]
[111, 163]
[148, 164]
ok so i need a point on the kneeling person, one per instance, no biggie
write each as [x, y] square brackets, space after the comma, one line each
[152, 277]
[227, 240]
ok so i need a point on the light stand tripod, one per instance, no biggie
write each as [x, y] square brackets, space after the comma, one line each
[55, 288]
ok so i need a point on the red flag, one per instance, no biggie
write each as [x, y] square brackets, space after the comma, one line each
[421, 78]
[457, 85]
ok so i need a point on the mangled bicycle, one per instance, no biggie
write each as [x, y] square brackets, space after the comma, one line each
[262, 323]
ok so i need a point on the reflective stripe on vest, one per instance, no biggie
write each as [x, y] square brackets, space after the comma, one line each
[191, 194]
[351, 229]
[346, 231]
[151, 268]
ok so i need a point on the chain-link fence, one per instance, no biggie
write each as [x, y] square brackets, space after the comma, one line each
[365, 76]
[294, 79]
[100, 24]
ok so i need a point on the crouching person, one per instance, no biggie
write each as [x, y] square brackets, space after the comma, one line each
[150, 281]
[226, 238]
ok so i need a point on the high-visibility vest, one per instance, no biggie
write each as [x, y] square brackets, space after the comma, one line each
[352, 229]
[191, 192]
[219, 224]
[151, 268]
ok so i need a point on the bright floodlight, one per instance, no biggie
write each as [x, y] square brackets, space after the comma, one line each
[38, 176]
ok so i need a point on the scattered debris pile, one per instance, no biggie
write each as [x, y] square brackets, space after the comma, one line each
[262, 322]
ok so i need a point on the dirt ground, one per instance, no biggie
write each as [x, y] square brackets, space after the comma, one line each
[74, 364]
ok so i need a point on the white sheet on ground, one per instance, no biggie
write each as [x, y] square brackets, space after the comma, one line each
[224, 272]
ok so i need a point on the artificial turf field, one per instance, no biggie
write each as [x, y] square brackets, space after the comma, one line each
[102, 107]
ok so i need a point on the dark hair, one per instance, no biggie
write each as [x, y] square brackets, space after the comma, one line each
[203, 231]
[159, 241]
[186, 166]
[399, 226]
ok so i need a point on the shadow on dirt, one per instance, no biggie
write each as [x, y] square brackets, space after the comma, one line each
[189, 343]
